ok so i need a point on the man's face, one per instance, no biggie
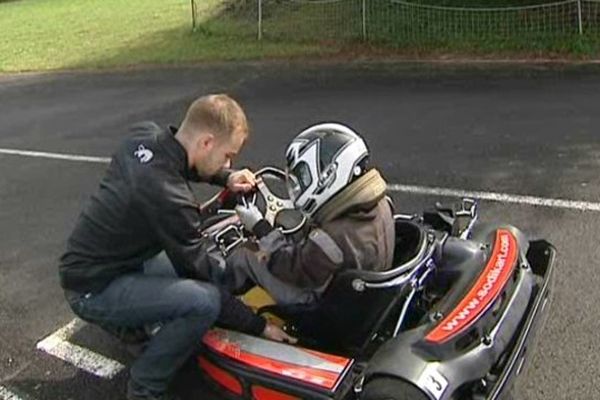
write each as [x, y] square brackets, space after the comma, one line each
[214, 153]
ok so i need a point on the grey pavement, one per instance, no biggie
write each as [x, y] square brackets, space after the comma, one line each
[518, 130]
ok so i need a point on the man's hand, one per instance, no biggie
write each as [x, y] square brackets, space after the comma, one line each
[275, 333]
[241, 181]
[249, 215]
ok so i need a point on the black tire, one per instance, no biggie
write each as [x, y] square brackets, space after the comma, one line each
[387, 388]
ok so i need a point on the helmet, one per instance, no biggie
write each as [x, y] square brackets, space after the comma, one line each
[321, 161]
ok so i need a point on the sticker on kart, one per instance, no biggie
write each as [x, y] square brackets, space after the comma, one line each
[486, 289]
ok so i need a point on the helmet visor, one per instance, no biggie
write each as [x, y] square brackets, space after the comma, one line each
[298, 180]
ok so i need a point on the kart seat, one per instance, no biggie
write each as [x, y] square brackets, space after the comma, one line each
[409, 246]
[346, 317]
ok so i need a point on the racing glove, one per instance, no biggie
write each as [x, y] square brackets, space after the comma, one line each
[253, 220]
[249, 215]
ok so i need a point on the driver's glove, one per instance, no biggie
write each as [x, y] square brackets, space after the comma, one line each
[249, 215]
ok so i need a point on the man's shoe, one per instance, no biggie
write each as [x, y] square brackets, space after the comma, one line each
[137, 392]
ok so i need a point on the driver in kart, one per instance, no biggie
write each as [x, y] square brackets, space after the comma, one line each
[350, 221]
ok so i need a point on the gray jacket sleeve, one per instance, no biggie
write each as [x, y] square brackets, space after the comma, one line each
[309, 263]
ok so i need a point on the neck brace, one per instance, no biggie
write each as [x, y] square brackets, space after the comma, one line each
[364, 192]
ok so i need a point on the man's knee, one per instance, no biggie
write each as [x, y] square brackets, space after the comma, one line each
[200, 300]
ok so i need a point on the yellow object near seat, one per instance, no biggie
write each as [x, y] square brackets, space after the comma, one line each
[256, 298]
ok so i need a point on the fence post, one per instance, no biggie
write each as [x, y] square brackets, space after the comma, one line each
[579, 19]
[259, 19]
[193, 15]
[364, 20]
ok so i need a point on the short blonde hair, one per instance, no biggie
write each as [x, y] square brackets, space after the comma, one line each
[218, 114]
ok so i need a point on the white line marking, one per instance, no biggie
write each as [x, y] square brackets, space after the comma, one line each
[395, 187]
[6, 394]
[56, 156]
[494, 196]
[57, 345]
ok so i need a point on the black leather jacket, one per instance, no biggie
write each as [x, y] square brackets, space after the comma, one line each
[144, 205]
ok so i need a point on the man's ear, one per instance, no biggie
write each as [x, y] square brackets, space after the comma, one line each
[207, 141]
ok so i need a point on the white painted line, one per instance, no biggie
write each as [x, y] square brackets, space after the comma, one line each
[82, 358]
[6, 394]
[57, 345]
[394, 187]
[56, 156]
[494, 196]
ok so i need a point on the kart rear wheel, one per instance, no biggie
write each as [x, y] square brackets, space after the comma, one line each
[386, 388]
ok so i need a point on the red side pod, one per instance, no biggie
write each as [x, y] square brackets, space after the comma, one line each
[308, 366]
[486, 289]
[221, 376]
[262, 393]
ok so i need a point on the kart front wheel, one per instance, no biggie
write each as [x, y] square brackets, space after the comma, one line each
[386, 388]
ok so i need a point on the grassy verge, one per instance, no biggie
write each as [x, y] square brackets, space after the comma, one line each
[74, 34]
[58, 34]
[411, 29]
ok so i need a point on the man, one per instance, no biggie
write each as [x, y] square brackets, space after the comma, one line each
[350, 220]
[145, 214]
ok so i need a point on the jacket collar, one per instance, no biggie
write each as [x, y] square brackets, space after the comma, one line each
[362, 194]
[176, 153]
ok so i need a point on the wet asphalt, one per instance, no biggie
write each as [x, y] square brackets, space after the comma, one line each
[530, 130]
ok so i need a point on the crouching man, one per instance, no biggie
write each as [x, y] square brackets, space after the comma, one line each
[136, 258]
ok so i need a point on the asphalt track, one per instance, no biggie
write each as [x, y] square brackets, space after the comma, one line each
[512, 130]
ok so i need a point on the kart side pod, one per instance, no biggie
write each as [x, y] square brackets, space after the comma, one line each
[474, 346]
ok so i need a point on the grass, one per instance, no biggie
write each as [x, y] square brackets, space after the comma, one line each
[572, 47]
[66, 34]
[78, 34]
[413, 31]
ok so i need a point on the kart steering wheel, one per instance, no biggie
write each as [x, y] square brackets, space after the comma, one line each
[272, 199]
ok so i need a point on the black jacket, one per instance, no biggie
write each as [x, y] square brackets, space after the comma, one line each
[144, 205]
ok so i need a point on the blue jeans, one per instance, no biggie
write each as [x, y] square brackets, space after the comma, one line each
[185, 308]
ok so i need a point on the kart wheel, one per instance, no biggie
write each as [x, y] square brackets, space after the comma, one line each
[386, 388]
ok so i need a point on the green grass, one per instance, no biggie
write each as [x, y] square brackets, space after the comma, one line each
[66, 34]
[78, 34]
[572, 47]
[416, 31]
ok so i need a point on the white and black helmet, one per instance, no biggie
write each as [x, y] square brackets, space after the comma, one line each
[321, 161]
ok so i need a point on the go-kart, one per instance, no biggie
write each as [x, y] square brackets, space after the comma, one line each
[454, 318]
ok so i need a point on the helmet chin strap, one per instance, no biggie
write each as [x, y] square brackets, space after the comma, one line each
[368, 189]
